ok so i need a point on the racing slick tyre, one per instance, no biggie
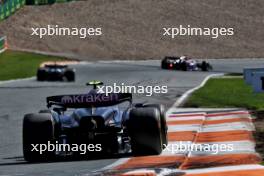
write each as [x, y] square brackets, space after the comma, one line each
[145, 132]
[205, 66]
[37, 129]
[70, 75]
[41, 75]
[184, 66]
[164, 127]
[164, 65]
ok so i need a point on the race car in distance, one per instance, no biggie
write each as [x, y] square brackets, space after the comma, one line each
[113, 121]
[185, 64]
[55, 72]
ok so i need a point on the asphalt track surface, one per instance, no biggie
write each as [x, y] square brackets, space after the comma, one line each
[21, 97]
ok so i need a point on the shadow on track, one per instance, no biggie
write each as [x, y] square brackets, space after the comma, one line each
[19, 160]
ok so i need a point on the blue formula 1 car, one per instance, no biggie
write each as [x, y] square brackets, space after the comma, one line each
[111, 122]
[55, 72]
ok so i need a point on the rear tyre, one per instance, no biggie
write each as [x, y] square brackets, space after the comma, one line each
[164, 127]
[184, 66]
[41, 75]
[70, 75]
[145, 132]
[164, 64]
[205, 66]
[37, 129]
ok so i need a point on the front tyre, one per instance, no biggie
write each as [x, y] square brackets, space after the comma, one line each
[70, 75]
[164, 64]
[145, 131]
[41, 75]
[37, 129]
[184, 66]
[205, 66]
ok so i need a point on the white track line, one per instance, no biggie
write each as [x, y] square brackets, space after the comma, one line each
[189, 92]
[225, 169]
[177, 128]
[228, 127]
[211, 170]
[17, 80]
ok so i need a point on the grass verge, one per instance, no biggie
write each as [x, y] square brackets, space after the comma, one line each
[16, 64]
[227, 92]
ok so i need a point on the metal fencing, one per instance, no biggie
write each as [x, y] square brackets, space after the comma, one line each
[3, 44]
[7, 7]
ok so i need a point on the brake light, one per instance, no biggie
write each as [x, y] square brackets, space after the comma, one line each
[170, 65]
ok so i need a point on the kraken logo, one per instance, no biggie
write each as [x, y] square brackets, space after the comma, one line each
[67, 99]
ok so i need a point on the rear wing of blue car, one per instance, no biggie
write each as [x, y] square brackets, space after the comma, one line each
[88, 100]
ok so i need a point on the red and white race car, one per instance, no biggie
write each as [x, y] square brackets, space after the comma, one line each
[184, 63]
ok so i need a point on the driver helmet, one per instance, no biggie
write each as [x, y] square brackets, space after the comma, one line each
[182, 58]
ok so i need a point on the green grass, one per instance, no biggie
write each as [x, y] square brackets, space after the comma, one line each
[225, 93]
[15, 64]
